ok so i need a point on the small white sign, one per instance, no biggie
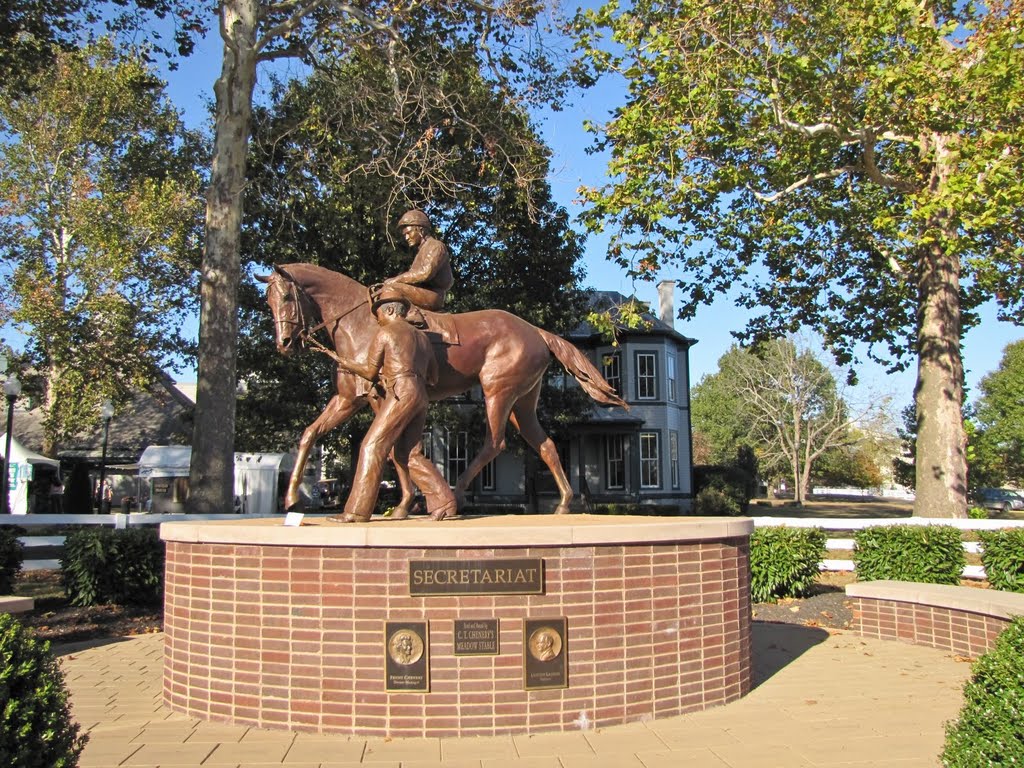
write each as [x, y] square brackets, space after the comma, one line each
[293, 518]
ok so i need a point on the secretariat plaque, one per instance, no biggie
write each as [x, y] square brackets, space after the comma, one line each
[476, 637]
[545, 654]
[523, 576]
[406, 656]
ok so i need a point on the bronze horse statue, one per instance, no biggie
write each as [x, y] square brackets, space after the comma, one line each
[504, 354]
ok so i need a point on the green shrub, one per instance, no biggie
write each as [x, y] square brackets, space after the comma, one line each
[735, 482]
[1003, 557]
[989, 730]
[784, 561]
[713, 501]
[36, 729]
[977, 513]
[931, 554]
[12, 553]
[103, 565]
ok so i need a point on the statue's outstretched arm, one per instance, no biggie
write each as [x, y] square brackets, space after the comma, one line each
[370, 368]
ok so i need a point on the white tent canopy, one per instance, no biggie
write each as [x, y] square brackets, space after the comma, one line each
[21, 470]
[165, 461]
[257, 475]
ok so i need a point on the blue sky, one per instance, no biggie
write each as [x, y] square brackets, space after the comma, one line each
[191, 88]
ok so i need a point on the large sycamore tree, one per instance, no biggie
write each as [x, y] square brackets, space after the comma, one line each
[100, 213]
[852, 167]
[395, 33]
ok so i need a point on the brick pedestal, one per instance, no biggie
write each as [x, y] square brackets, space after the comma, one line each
[284, 627]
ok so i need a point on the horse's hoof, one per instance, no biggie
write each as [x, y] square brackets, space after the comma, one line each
[399, 513]
[293, 503]
[440, 514]
[562, 509]
[348, 517]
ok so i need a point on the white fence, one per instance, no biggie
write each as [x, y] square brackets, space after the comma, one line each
[118, 520]
[825, 523]
[858, 523]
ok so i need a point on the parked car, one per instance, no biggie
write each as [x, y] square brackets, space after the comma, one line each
[999, 499]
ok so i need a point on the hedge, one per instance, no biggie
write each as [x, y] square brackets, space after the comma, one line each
[931, 554]
[1003, 557]
[990, 727]
[106, 565]
[784, 561]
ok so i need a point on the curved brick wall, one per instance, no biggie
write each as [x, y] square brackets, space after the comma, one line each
[283, 627]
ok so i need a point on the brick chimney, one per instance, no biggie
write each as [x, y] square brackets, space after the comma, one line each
[666, 302]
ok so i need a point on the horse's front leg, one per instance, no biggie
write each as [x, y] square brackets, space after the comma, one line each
[338, 410]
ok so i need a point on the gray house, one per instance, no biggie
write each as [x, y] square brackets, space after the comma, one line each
[612, 456]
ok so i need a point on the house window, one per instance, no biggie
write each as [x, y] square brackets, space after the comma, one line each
[615, 462]
[649, 460]
[611, 367]
[670, 365]
[673, 457]
[646, 376]
[457, 444]
[427, 444]
[557, 378]
[487, 476]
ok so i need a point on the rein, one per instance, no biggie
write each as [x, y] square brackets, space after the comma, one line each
[307, 335]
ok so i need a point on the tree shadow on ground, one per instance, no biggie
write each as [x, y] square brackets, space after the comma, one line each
[818, 508]
[775, 646]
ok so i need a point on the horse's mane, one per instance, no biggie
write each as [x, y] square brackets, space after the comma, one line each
[311, 275]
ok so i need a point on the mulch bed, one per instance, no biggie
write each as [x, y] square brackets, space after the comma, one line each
[827, 608]
[56, 620]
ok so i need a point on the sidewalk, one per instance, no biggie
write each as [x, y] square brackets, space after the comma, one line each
[820, 700]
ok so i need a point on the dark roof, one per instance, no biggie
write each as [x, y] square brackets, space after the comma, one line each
[610, 301]
[158, 416]
[606, 417]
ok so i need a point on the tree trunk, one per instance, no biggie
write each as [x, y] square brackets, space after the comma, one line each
[798, 487]
[211, 474]
[941, 460]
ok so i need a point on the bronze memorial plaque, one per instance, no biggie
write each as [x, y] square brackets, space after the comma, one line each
[476, 637]
[523, 576]
[545, 654]
[406, 656]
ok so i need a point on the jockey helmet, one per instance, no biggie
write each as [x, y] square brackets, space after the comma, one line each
[414, 218]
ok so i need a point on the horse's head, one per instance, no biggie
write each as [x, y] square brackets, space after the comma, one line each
[291, 308]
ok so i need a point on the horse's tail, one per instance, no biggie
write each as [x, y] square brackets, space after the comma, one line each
[576, 363]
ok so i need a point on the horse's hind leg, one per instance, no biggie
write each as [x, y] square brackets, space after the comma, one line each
[338, 410]
[498, 404]
[524, 418]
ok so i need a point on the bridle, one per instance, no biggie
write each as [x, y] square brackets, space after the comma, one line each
[291, 292]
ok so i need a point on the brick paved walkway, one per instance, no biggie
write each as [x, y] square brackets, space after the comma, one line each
[821, 700]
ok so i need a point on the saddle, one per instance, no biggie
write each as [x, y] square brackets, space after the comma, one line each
[439, 326]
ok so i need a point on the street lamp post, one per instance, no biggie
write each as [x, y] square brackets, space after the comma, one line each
[12, 388]
[106, 413]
